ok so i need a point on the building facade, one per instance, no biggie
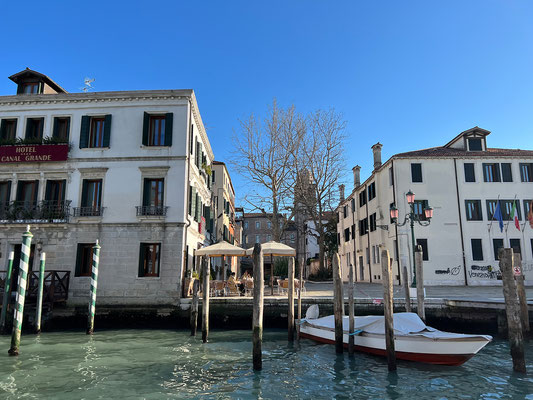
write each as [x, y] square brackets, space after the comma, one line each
[127, 168]
[462, 181]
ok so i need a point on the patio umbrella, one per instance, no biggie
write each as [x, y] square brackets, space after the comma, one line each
[274, 249]
[221, 249]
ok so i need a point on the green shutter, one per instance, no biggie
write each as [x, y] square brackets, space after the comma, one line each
[191, 134]
[68, 128]
[19, 190]
[168, 129]
[64, 186]
[196, 206]
[193, 198]
[141, 260]
[199, 210]
[146, 192]
[3, 129]
[107, 130]
[78, 260]
[84, 132]
[55, 128]
[41, 131]
[48, 190]
[28, 128]
[35, 193]
[84, 188]
[146, 127]
[190, 200]
[8, 194]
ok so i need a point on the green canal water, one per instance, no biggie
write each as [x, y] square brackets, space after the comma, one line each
[164, 364]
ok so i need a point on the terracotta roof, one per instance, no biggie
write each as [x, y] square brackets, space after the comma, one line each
[444, 152]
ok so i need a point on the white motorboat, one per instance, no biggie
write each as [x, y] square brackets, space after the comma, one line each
[413, 340]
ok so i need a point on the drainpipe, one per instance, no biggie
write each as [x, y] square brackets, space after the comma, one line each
[460, 219]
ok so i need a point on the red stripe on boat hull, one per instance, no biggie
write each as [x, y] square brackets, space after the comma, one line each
[440, 359]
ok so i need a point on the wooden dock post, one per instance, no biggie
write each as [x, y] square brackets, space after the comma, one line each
[338, 299]
[194, 303]
[290, 295]
[388, 302]
[257, 318]
[301, 277]
[406, 289]
[205, 300]
[94, 285]
[21, 292]
[351, 311]
[512, 309]
[39, 306]
[419, 258]
[521, 290]
[7, 292]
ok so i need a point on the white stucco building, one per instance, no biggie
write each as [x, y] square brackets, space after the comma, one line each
[127, 168]
[462, 181]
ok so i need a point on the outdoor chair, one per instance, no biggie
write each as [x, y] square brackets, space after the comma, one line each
[232, 288]
[283, 286]
[248, 287]
[219, 288]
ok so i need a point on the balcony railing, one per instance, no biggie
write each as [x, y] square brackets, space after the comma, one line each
[90, 211]
[47, 211]
[159, 211]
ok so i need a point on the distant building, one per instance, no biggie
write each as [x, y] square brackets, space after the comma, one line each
[463, 181]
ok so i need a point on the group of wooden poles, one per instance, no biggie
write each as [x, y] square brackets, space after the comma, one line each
[22, 286]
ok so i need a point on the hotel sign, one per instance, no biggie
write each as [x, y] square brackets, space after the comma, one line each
[33, 153]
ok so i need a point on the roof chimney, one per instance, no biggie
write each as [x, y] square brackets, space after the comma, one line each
[356, 176]
[377, 155]
[341, 192]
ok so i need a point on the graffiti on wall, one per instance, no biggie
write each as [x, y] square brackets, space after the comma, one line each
[484, 272]
[449, 271]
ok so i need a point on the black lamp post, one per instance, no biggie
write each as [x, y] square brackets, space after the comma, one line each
[412, 217]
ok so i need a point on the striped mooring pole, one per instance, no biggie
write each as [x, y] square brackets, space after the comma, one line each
[39, 308]
[21, 292]
[7, 292]
[94, 284]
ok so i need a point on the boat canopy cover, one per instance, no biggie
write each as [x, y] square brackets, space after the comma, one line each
[404, 324]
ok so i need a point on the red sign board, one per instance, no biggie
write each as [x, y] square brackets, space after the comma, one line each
[33, 153]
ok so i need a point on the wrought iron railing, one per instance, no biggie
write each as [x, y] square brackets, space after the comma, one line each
[151, 210]
[91, 211]
[46, 211]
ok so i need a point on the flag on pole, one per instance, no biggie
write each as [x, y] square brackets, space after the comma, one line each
[514, 216]
[498, 215]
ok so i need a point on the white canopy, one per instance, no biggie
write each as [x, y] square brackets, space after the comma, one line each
[274, 249]
[221, 249]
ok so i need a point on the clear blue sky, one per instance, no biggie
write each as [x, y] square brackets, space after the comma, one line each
[410, 74]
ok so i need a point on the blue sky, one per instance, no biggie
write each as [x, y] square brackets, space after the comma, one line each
[409, 74]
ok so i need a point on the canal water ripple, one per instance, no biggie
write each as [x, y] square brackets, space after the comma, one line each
[165, 364]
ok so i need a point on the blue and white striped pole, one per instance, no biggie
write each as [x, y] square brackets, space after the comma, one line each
[94, 284]
[7, 291]
[21, 292]
[39, 308]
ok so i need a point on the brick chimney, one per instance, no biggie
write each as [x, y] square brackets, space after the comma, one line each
[341, 192]
[377, 155]
[356, 176]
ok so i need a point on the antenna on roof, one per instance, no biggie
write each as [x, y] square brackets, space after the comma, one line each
[87, 82]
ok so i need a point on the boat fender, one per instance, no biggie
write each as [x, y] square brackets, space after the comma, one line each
[357, 332]
[312, 312]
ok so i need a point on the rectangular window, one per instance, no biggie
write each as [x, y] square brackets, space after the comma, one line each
[156, 131]
[257, 225]
[345, 211]
[353, 231]
[269, 238]
[372, 222]
[419, 206]
[506, 207]
[27, 193]
[491, 172]
[30, 88]
[526, 172]
[149, 258]
[507, 175]
[153, 192]
[353, 205]
[84, 259]
[528, 205]
[55, 192]
[473, 210]
[362, 198]
[8, 129]
[474, 144]
[347, 235]
[416, 172]
[395, 249]
[363, 226]
[245, 224]
[470, 174]
[367, 250]
[497, 244]
[515, 245]
[5, 192]
[257, 239]
[61, 129]
[269, 225]
[477, 249]
[34, 128]
[424, 244]
[371, 191]
[96, 133]
[91, 198]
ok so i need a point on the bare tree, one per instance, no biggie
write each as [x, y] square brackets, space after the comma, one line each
[263, 156]
[321, 161]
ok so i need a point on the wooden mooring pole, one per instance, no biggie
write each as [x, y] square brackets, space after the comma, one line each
[205, 300]
[512, 309]
[21, 292]
[521, 290]
[338, 299]
[351, 311]
[7, 292]
[39, 306]
[94, 285]
[386, 273]
[419, 258]
[290, 295]
[194, 305]
[301, 277]
[406, 289]
[257, 317]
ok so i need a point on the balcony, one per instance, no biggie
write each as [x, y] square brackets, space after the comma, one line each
[90, 211]
[47, 211]
[151, 211]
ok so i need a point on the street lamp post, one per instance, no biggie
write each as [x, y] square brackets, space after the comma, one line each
[412, 217]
